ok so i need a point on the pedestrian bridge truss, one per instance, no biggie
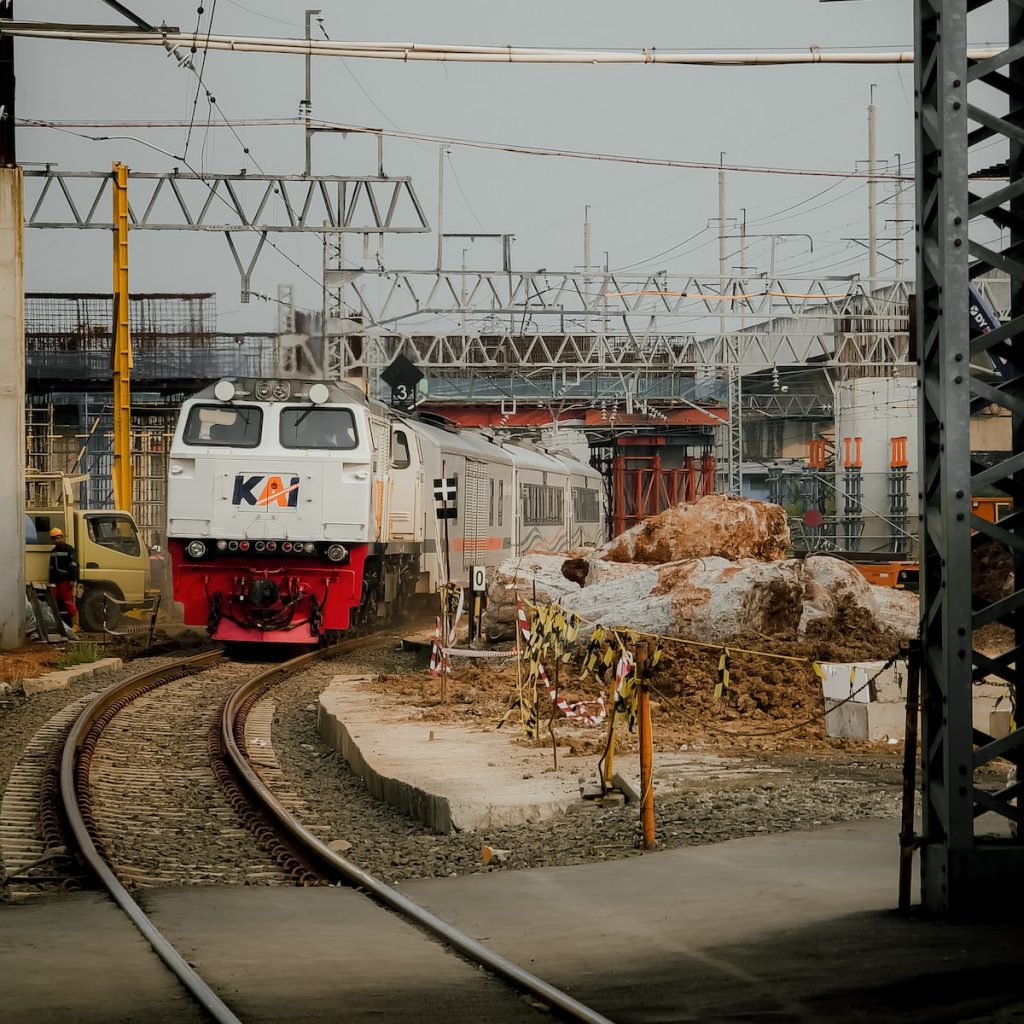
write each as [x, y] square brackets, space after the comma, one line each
[607, 322]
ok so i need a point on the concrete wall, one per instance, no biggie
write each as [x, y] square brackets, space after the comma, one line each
[992, 433]
[877, 409]
[12, 410]
[766, 439]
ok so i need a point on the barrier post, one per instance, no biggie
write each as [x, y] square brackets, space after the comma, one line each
[908, 841]
[608, 765]
[646, 748]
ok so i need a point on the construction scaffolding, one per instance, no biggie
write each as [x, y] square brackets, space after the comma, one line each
[175, 342]
[69, 413]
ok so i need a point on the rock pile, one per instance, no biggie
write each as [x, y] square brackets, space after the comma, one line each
[715, 525]
[706, 571]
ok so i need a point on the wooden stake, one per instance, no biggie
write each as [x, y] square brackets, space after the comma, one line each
[608, 766]
[646, 749]
[551, 720]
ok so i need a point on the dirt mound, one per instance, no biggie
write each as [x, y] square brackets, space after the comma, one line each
[991, 570]
[766, 694]
[715, 525]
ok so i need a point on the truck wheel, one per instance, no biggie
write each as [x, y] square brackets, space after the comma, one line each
[90, 611]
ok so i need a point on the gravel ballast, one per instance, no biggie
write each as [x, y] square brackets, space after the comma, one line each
[811, 792]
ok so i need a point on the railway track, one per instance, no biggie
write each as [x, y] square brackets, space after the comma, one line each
[135, 784]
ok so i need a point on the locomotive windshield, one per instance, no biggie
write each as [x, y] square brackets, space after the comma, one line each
[232, 426]
[306, 427]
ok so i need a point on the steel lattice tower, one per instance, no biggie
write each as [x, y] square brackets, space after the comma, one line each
[961, 105]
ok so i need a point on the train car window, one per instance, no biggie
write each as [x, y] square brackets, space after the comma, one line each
[309, 427]
[490, 521]
[114, 532]
[229, 426]
[586, 507]
[501, 500]
[542, 506]
[400, 458]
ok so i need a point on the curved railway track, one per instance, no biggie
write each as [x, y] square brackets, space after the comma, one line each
[292, 854]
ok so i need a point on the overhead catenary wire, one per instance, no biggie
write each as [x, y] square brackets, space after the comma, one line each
[448, 52]
[201, 71]
[451, 140]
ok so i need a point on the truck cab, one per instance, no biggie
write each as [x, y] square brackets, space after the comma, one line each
[112, 558]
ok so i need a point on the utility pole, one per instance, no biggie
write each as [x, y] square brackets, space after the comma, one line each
[872, 197]
[307, 103]
[743, 246]
[586, 269]
[899, 218]
[12, 355]
[440, 205]
[723, 269]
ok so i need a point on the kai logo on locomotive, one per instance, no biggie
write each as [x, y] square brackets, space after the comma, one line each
[266, 491]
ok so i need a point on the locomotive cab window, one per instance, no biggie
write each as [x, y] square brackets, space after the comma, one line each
[228, 426]
[400, 457]
[114, 532]
[310, 427]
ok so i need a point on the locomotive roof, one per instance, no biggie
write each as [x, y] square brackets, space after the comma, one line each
[245, 389]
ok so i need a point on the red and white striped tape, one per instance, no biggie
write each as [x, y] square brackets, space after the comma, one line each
[622, 670]
[573, 709]
[523, 621]
[438, 655]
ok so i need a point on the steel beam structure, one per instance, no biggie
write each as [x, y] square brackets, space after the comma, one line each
[609, 337]
[792, 320]
[259, 204]
[969, 866]
[535, 318]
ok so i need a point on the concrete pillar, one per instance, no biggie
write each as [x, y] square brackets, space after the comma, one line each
[12, 411]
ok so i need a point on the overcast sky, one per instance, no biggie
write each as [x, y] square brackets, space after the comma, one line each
[803, 117]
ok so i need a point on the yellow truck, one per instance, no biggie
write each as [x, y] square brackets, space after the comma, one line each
[112, 558]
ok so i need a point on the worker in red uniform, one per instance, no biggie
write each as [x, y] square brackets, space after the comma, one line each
[64, 576]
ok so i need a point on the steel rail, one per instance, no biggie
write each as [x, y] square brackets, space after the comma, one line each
[335, 866]
[73, 749]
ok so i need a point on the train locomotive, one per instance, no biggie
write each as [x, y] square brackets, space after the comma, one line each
[298, 509]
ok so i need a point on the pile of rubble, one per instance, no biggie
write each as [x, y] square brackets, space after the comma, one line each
[710, 570]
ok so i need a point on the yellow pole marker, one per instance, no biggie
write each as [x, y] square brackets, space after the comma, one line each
[121, 353]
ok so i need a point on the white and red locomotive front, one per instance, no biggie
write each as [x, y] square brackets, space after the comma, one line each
[269, 509]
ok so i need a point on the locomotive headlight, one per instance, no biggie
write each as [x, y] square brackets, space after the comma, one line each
[337, 552]
[222, 545]
[309, 547]
[195, 549]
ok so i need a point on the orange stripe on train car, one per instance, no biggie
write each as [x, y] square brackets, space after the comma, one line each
[480, 544]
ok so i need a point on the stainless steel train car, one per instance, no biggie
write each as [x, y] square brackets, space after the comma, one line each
[302, 508]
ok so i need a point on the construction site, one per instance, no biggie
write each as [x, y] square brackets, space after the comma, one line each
[809, 405]
[558, 551]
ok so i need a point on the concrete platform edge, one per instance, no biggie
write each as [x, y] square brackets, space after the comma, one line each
[429, 809]
[61, 680]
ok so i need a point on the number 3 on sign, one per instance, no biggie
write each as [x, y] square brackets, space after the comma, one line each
[477, 579]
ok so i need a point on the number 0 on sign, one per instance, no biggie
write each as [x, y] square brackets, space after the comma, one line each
[477, 579]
